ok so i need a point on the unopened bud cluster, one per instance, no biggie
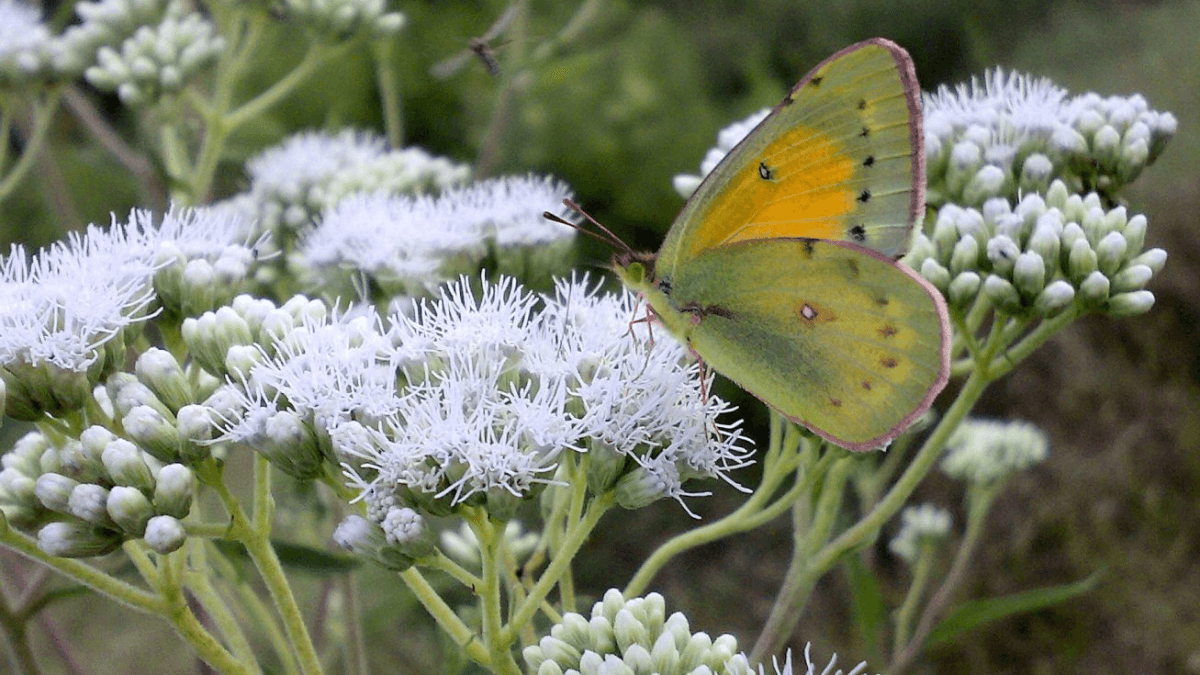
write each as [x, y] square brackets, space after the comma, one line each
[630, 637]
[157, 60]
[86, 496]
[107, 24]
[987, 451]
[1040, 255]
[920, 527]
[342, 19]
[1011, 134]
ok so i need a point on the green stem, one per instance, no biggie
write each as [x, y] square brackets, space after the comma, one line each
[1036, 338]
[794, 594]
[559, 565]
[490, 537]
[382, 51]
[444, 615]
[14, 625]
[43, 115]
[124, 593]
[922, 573]
[201, 587]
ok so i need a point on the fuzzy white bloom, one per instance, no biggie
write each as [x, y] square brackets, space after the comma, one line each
[24, 43]
[919, 525]
[409, 244]
[810, 667]
[727, 138]
[285, 179]
[985, 451]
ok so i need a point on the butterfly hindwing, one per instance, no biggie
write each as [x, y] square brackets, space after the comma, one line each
[840, 159]
[835, 336]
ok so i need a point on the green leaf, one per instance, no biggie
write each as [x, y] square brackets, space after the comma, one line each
[866, 599]
[974, 614]
[298, 557]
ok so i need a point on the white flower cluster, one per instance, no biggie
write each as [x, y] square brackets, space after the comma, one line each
[408, 245]
[343, 19]
[985, 451]
[920, 526]
[635, 636]
[292, 182]
[727, 138]
[25, 44]
[470, 399]
[1012, 132]
[107, 23]
[627, 637]
[64, 312]
[86, 496]
[1040, 255]
[157, 60]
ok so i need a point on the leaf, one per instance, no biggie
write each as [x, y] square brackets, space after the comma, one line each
[974, 614]
[867, 605]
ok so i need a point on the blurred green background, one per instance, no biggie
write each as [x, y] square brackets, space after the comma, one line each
[637, 97]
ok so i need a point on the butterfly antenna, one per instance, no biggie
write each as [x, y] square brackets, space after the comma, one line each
[605, 235]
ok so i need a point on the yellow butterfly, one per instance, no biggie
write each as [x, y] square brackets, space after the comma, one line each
[780, 272]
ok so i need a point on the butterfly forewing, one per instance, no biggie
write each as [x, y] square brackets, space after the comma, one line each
[847, 342]
[840, 159]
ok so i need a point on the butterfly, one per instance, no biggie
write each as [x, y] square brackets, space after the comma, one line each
[781, 271]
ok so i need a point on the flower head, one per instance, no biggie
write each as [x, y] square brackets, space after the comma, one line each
[985, 451]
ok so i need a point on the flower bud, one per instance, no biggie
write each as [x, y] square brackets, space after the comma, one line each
[628, 630]
[73, 539]
[965, 256]
[1110, 253]
[54, 491]
[1057, 195]
[196, 428]
[1058, 294]
[1132, 160]
[964, 289]
[129, 509]
[1082, 260]
[1003, 252]
[158, 370]
[125, 466]
[367, 540]
[640, 487]
[127, 393]
[409, 532]
[1106, 147]
[1036, 171]
[291, 445]
[990, 181]
[936, 274]
[1002, 294]
[174, 490]
[1130, 304]
[1029, 274]
[1154, 258]
[1094, 289]
[965, 160]
[1132, 278]
[165, 534]
[153, 432]
[1135, 233]
[88, 502]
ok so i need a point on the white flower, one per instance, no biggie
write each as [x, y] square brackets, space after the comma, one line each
[24, 42]
[920, 525]
[727, 138]
[985, 451]
[409, 244]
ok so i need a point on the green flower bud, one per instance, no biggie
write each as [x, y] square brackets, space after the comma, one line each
[1094, 289]
[990, 181]
[1132, 278]
[158, 370]
[73, 539]
[1045, 243]
[664, 655]
[81, 462]
[1029, 274]
[1002, 294]
[164, 534]
[1106, 147]
[1130, 304]
[1133, 159]
[1093, 223]
[125, 466]
[127, 393]
[1057, 294]
[1154, 258]
[88, 502]
[922, 248]
[936, 274]
[629, 631]
[241, 359]
[1110, 253]
[409, 532]
[291, 445]
[965, 256]
[174, 489]
[1057, 196]
[945, 231]
[1003, 252]
[196, 428]
[367, 540]
[639, 488]
[1036, 172]
[129, 509]
[965, 161]
[1082, 261]
[153, 432]
[54, 491]
[1135, 232]
[964, 289]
